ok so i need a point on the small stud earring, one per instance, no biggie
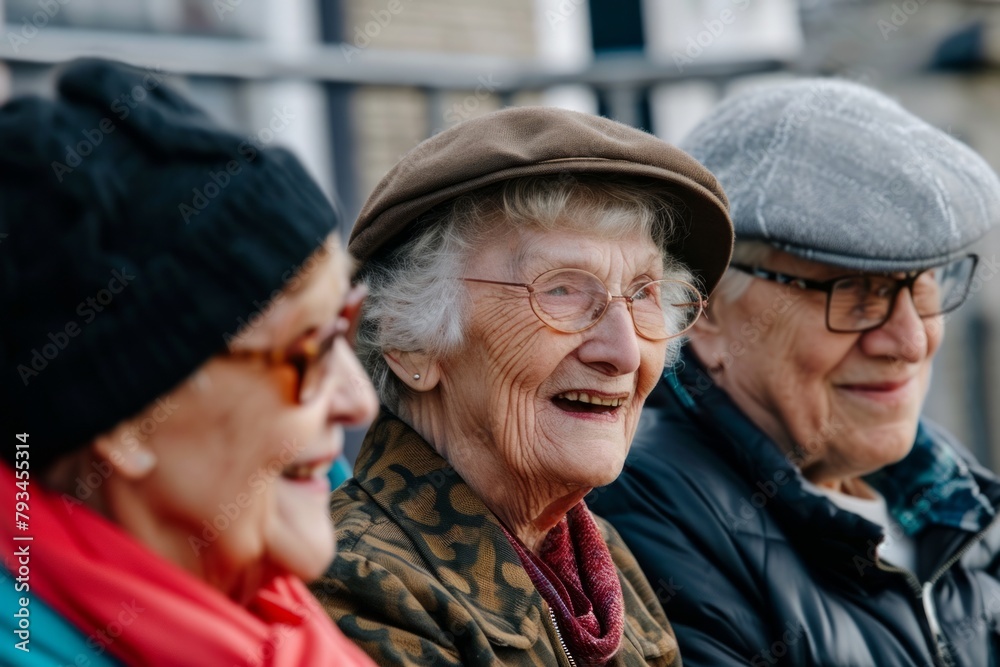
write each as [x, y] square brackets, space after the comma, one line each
[416, 376]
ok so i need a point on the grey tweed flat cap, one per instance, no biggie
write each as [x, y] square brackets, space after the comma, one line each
[835, 172]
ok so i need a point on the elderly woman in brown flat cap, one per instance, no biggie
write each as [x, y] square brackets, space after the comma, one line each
[531, 272]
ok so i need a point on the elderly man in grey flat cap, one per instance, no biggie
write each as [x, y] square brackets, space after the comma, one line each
[783, 494]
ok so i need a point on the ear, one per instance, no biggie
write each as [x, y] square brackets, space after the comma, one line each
[707, 338]
[417, 370]
[133, 460]
[709, 323]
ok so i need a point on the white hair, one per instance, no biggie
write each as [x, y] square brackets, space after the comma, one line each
[734, 282]
[417, 303]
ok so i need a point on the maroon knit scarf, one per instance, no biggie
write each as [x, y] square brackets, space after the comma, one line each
[575, 575]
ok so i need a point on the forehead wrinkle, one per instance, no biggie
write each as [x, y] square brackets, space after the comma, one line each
[520, 257]
[526, 253]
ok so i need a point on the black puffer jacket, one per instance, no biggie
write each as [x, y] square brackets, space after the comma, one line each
[753, 569]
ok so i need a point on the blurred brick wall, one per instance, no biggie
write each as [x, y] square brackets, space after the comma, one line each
[390, 121]
[451, 26]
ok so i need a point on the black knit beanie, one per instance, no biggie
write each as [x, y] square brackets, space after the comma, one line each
[135, 238]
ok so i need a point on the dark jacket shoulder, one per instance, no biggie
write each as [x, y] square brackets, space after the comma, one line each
[764, 571]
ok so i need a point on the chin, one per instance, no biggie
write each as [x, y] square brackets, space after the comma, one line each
[889, 445]
[305, 549]
[601, 476]
[309, 563]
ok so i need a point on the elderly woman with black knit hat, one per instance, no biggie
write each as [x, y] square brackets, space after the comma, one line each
[530, 273]
[167, 463]
[787, 490]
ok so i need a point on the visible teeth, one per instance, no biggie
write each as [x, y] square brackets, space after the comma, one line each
[584, 397]
[299, 471]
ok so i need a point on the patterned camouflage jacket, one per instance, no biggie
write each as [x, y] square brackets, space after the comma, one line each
[425, 576]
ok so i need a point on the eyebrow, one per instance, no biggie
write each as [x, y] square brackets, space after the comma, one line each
[558, 260]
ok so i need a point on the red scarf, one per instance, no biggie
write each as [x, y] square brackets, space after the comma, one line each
[575, 575]
[145, 610]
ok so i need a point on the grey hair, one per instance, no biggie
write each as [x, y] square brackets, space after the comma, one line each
[734, 283]
[416, 302]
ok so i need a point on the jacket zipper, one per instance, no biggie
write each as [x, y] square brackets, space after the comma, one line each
[923, 592]
[552, 615]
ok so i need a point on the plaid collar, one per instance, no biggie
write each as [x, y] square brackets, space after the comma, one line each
[933, 485]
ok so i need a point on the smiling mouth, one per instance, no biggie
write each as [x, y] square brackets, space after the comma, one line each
[307, 471]
[581, 401]
[877, 387]
[891, 394]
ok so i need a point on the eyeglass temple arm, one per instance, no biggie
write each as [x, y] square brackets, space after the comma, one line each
[784, 279]
[497, 282]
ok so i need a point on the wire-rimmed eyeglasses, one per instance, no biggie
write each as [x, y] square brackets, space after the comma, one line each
[573, 300]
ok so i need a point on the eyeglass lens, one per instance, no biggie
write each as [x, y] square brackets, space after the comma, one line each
[314, 368]
[571, 300]
[863, 302]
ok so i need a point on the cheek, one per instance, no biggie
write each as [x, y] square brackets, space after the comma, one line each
[251, 518]
[791, 374]
[517, 349]
[234, 472]
[653, 358]
[300, 535]
[935, 335]
[805, 352]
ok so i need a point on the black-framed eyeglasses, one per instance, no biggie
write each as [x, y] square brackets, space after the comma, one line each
[865, 301]
[309, 354]
[573, 300]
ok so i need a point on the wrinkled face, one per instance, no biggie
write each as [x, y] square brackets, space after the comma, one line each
[551, 407]
[240, 478]
[850, 401]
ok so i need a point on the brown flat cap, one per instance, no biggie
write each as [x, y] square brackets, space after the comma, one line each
[538, 141]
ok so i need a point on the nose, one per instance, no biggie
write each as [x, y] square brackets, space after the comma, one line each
[612, 345]
[352, 400]
[903, 336]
